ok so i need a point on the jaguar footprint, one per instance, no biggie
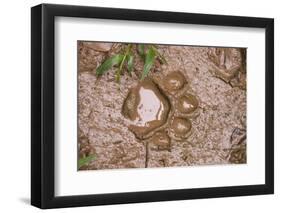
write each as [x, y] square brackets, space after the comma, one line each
[160, 109]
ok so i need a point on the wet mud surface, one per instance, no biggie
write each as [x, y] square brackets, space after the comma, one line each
[191, 111]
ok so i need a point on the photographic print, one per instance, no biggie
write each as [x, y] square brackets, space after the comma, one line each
[179, 96]
[152, 105]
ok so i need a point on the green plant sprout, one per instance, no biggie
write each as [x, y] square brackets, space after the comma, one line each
[85, 160]
[148, 55]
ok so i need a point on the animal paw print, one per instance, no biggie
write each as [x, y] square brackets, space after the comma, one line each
[161, 109]
[229, 64]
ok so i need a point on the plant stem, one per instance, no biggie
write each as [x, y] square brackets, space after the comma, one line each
[160, 56]
[118, 72]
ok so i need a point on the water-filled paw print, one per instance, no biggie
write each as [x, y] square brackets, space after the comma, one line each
[161, 108]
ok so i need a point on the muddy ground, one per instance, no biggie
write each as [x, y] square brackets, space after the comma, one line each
[218, 133]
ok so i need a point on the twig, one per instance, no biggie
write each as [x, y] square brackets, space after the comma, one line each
[146, 154]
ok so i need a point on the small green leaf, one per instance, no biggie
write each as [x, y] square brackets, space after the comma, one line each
[130, 59]
[108, 63]
[85, 160]
[149, 61]
[141, 50]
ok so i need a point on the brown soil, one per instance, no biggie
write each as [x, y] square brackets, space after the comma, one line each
[216, 111]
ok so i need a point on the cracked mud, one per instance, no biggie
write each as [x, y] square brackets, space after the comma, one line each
[191, 111]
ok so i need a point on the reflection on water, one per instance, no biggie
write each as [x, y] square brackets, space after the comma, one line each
[149, 108]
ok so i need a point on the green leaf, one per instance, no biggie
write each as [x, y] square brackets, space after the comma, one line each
[149, 61]
[108, 63]
[130, 59]
[85, 160]
[141, 50]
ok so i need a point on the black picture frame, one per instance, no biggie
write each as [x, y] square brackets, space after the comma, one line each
[43, 102]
